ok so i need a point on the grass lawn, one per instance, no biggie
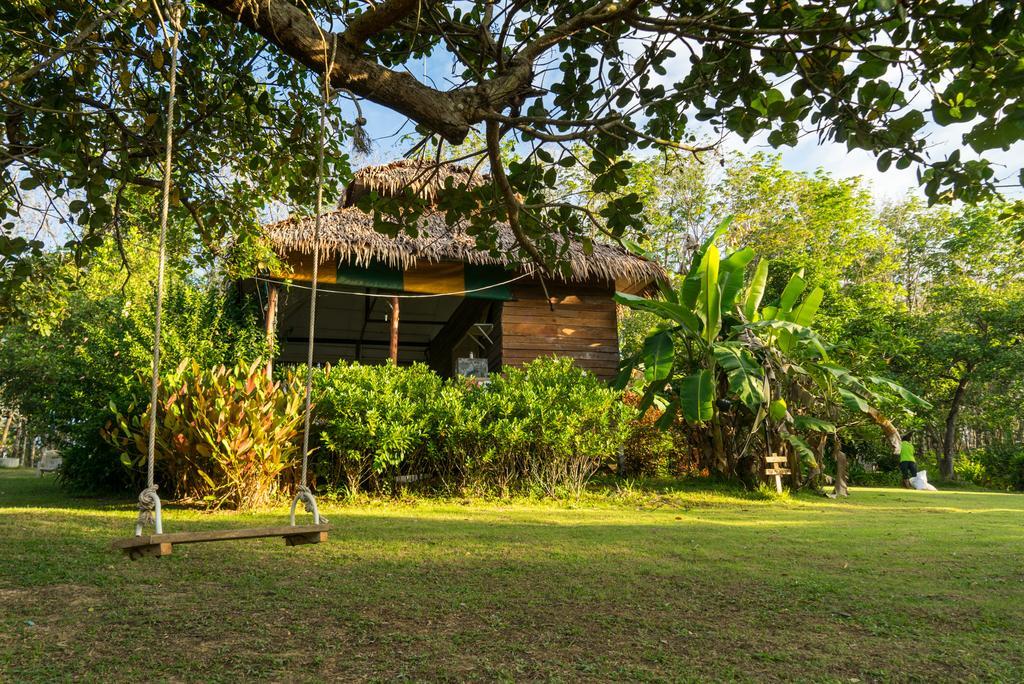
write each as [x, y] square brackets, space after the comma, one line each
[679, 585]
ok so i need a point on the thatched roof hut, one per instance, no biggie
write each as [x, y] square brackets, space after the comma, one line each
[347, 234]
[456, 297]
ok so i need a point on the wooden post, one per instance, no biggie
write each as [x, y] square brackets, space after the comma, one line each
[271, 326]
[394, 330]
[25, 457]
[7, 430]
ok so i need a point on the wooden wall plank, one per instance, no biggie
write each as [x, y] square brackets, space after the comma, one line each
[584, 331]
[579, 323]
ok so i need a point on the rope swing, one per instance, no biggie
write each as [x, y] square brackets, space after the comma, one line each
[160, 544]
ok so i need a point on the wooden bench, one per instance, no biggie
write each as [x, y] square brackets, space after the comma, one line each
[162, 544]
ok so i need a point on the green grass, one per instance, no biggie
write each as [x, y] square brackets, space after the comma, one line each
[673, 585]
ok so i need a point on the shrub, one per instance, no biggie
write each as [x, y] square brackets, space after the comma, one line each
[545, 427]
[969, 469]
[224, 435]
[378, 422]
[1001, 465]
[650, 448]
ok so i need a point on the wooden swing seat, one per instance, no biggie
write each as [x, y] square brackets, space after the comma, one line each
[162, 544]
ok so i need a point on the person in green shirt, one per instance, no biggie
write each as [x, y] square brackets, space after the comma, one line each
[908, 465]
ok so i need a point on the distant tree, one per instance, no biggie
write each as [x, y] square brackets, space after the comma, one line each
[964, 280]
[85, 333]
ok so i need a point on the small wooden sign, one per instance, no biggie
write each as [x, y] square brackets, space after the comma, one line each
[776, 469]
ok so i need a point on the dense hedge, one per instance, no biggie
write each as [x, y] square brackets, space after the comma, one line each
[546, 427]
[227, 435]
[1000, 466]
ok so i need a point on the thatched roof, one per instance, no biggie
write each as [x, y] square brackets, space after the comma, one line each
[347, 234]
[422, 177]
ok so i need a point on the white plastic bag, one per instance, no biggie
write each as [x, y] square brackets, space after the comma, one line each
[920, 481]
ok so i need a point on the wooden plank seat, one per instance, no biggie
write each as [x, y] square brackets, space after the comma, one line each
[162, 544]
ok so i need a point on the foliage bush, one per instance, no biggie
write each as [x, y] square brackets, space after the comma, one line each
[650, 448]
[85, 337]
[224, 435]
[545, 427]
[377, 422]
[1000, 466]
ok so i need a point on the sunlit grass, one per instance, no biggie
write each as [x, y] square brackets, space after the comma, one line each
[652, 581]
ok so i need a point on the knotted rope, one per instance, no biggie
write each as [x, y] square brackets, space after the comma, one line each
[149, 511]
[149, 502]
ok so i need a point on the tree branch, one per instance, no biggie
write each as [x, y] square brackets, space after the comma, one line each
[375, 20]
[512, 203]
[295, 32]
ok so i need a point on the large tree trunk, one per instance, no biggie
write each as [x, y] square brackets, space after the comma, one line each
[949, 438]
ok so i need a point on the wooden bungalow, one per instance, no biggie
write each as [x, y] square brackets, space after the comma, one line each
[436, 297]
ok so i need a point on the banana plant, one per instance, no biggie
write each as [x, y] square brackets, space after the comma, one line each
[717, 348]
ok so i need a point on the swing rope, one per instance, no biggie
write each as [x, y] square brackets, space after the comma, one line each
[303, 493]
[149, 501]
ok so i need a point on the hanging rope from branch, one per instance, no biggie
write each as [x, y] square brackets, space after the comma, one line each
[149, 502]
[303, 490]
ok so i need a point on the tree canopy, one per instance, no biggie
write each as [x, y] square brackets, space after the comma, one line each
[83, 88]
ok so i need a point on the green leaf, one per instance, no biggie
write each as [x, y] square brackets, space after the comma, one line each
[902, 391]
[696, 396]
[853, 402]
[798, 332]
[666, 310]
[745, 375]
[803, 450]
[658, 354]
[709, 300]
[666, 419]
[626, 368]
[794, 287]
[731, 276]
[812, 424]
[804, 314]
[756, 291]
[690, 289]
